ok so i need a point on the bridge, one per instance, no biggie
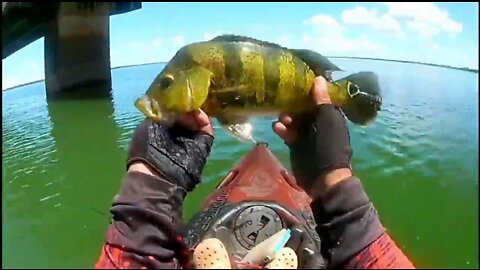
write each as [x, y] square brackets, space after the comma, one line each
[77, 40]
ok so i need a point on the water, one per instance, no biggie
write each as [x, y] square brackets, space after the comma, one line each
[63, 162]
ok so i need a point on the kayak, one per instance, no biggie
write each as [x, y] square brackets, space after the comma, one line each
[257, 199]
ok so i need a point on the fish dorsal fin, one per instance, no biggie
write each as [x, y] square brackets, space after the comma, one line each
[238, 38]
[317, 62]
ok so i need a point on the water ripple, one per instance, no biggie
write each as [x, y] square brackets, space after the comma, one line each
[49, 197]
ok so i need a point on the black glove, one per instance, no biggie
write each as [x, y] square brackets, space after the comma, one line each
[174, 152]
[322, 145]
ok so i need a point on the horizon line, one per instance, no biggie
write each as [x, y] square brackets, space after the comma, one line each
[467, 69]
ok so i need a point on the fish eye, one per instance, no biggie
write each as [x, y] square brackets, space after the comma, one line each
[166, 81]
[353, 89]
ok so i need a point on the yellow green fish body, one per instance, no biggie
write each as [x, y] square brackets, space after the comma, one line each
[233, 78]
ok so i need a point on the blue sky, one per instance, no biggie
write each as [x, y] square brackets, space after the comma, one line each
[441, 33]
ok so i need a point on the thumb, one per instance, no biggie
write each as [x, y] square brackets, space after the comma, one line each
[319, 91]
[203, 122]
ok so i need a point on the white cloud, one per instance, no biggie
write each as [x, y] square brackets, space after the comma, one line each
[424, 29]
[363, 16]
[329, 37]
[327, 22]
[359, 15]
[179, 40]
[425, 18]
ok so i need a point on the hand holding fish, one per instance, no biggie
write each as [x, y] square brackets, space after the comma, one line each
[319, 143]
[284, 127]
[176, 152]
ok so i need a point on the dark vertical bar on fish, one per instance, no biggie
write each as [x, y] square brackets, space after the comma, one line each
[233, 64]
[300, 74]
[271, 74]
[233, 76]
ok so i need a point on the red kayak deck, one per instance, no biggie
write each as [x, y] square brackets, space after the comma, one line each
[260, 176]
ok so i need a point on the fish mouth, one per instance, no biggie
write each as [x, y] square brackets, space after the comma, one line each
[149, 107]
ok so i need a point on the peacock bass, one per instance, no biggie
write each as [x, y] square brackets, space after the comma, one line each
[233, 78]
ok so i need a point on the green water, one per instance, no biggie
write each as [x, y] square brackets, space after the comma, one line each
[63, 162]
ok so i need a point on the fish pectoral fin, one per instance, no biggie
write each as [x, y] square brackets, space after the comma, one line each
[238, 127]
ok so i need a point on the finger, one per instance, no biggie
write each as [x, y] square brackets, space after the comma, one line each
[197, 121]
[187, 121]
[288, 135]
[203, 122]
[286, 119]
[319, 91]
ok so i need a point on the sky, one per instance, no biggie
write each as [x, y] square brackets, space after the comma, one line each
[440, 33]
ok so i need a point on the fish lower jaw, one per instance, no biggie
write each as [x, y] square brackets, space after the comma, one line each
[148, 112]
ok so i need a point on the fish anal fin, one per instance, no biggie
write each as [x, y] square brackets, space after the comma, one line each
[237, 126]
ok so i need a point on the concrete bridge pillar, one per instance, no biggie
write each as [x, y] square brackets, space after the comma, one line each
[77, 51]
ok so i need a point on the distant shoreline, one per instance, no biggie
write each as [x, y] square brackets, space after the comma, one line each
[409, 62]
[334, 57]
[23, 84]
[144, 64]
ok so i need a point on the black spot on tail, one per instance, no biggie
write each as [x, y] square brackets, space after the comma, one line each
[367, 81]
[364, 106]
[363, 109]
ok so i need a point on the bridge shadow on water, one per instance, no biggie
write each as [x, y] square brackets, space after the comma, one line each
[91, 164]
